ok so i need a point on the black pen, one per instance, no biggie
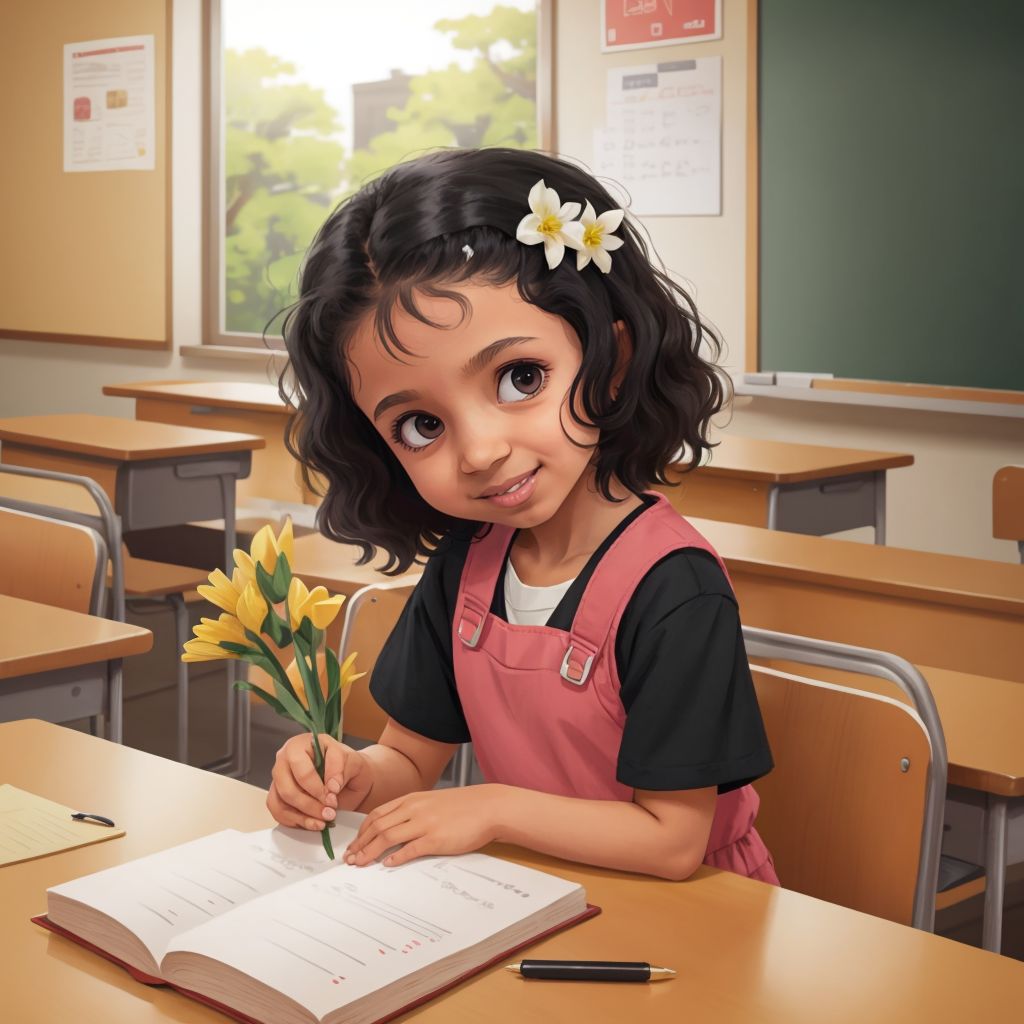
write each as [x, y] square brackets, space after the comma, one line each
[590, 970]
[98, 818]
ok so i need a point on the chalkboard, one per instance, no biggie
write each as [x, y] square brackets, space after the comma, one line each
[891, 190]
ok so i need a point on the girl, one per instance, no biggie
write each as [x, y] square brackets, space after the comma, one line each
[488, 373]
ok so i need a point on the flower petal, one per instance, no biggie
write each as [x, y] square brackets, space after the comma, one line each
[582, 257]
[527, 230]
[611, 242]
[552, 203]
[602, 259]
[245, 565]
[611, 219]
[568, 212]
[264, 548]
[554, 250]
[325, 612]
[285, 543]
[536, 199]
[572, 234]
[589, 216]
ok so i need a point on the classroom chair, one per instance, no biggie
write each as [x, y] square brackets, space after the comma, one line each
[852, 811]
[370, 616]
[79, 499]
[64, 565]
[1008, 506]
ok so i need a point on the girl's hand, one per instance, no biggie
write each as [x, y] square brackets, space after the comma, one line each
[437, 821]
[299, 799]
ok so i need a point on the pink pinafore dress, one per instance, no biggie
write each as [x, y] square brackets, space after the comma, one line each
[543, 706]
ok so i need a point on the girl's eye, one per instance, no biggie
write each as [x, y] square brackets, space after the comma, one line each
[417, 430]
[524, 380]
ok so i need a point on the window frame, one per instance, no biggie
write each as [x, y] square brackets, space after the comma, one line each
[213, 181]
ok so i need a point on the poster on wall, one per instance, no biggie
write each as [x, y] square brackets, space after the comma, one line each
[109, 105]
[662, 139]
[634, 24]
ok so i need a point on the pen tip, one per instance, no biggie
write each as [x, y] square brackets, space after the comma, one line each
[512, 967]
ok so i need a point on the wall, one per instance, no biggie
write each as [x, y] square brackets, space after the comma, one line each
[942, 503]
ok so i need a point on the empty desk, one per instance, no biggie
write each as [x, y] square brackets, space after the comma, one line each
[799, 488]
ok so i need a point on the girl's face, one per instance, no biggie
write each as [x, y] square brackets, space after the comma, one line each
[477, 415]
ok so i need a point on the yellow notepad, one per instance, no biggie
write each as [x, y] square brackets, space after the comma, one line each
[31, 826]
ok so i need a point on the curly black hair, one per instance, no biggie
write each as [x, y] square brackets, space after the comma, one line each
[404, 233]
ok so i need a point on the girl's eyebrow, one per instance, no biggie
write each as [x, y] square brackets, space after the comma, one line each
[474, 365]
[489, 352]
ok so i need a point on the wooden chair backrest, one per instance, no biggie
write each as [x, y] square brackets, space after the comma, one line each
[374, 615]
[841, 817]
[1008, 503]
[50, 561]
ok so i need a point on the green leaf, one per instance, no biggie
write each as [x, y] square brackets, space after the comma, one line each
[261, 693]
[282, 576]
[332, 714]
[266, 584]
[305, 629]
[311, 682]
[285, 694]
[240, 649]
[325, 835]
[277, 629]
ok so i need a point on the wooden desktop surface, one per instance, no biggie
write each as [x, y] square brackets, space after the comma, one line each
[982, 718]
[965, 614]
[783, 462]
[38, 637]
[120, 440]
[241, 395]
[320, 562]
[745, 951]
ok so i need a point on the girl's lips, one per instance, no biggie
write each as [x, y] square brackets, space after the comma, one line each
[518, 496]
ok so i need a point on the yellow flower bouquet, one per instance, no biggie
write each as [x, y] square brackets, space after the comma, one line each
[266, 609]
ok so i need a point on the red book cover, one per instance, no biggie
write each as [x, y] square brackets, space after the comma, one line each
[44, 922]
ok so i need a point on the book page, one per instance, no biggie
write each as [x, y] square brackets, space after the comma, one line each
[164, 895]
[334, 937]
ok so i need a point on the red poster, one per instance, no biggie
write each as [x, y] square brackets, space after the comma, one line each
[632, 24]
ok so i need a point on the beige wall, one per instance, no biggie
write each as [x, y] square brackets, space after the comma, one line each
[942, 503]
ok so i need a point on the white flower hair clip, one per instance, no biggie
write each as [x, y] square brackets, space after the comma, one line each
[546, 223]
[553, 223]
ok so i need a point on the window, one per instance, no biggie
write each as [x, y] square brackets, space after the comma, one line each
[309, 99]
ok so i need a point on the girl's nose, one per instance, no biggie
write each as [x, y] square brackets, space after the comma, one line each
[482, 450]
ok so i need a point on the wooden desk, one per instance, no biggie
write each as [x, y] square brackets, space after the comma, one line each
[965, 614]
[228, 405]
[745, 951]
[320, 562]
[53, 662]
[1008, 505]
[799, 488]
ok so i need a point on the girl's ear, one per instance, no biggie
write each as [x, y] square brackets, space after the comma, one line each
[625, 344]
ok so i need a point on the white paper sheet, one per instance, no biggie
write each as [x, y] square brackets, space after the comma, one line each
[663, 136]
[109, 105]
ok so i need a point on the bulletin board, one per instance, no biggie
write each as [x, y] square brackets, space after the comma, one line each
[85, 257]
[886, 182]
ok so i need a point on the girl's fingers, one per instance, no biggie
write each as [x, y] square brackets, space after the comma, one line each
[383, 839]
[288, 815]
[298, 762]
[294, 796]
[410, 851]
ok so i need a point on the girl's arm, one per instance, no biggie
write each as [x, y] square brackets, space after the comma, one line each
[659, 833]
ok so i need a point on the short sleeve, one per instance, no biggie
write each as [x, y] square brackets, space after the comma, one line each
[413, 679]
[692, 718]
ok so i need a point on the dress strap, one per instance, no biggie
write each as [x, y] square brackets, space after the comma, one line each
[654, 533]
[479, 577]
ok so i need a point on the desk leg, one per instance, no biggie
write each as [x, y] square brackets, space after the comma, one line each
[239, 707]
[181, 636]
[115, 699]
[880, 506]
[773, 506]
[995, 872]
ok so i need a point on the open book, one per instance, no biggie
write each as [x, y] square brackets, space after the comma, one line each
[263, 926]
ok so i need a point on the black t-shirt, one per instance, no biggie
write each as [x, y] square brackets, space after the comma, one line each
[692, 718]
